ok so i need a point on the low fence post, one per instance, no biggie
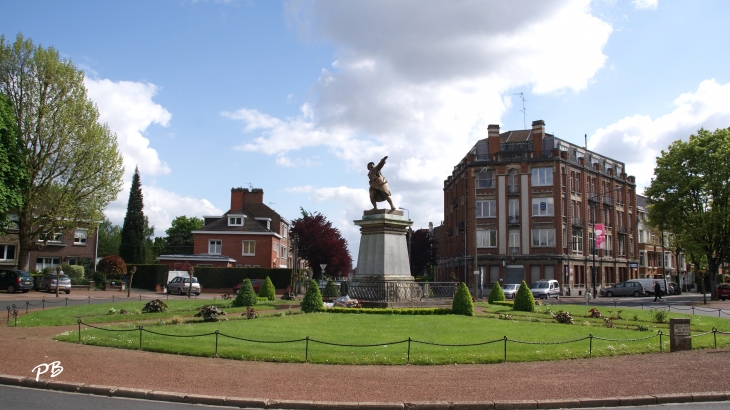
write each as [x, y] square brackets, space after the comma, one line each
[15, 314]
[505, 349]
[112, 298]
[216, 343]
[79, 322]
[140, 337]
[661, 347]
[306, 350]
[66, 302]
[409, 350]
[8, 321]
[26, 306]
[590, 345]
[43, 305]
[714, 333]
[89, 300]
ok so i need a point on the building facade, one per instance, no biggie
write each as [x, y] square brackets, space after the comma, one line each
[525, 205]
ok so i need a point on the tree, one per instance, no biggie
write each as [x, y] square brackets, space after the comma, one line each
[321, 243]
[13, 178]
[112, 266]
[524, 301]
[73, 163]
[110, 237]
[179, 240]
[462, 303]
[312, 301]
[133, 246]
[246, 296]
[690, 195]
[496, 295]
[423, 252]
[267, 290]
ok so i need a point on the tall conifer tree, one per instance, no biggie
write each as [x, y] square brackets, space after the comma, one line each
[132, 249]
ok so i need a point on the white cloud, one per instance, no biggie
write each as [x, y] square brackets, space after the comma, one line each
[129, 110]
[645, 4]
[285, 161]
[639, 139]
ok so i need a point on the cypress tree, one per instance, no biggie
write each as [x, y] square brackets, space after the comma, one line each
[132, 248]
[496, 295]
[462, 303]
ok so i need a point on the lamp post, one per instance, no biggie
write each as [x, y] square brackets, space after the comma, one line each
[594, 250]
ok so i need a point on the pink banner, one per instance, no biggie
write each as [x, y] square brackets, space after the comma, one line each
[600, 237]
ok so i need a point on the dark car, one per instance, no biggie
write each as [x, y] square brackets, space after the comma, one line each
[14, 280]
[723, 291]
[256, 283]
[628, 288]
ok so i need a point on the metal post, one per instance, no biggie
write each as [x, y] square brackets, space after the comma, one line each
[590, 345]
[140, 337]
[409, 349]
[306, 350]
[505, 349]
[26, 306]
[216, 343]
[79, 322]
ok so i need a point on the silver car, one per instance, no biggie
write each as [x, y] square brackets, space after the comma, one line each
[510, 290]
[181, 284]
[628, 288]
[48, 283]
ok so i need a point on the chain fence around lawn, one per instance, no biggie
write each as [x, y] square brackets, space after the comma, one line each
[307, 340]
[677, 308]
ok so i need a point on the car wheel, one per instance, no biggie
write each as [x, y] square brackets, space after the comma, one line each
[11, 289]
[180, 291]
[68, 292]
[48, 288]
[723, 299]
[636, 294]
[609, 294]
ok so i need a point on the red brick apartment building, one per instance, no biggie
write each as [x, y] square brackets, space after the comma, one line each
[521, 205]
[250, 234]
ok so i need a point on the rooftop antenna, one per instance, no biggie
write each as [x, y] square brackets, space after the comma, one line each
[523, 110]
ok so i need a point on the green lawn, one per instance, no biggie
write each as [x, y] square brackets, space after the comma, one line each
[531, 336]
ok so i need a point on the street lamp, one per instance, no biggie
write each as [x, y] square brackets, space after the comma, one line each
[594, 250]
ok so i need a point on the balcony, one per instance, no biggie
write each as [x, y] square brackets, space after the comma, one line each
[592, 196]
[513, 190]
[622, 229]
[513, 250]
[513, 220]
[607, 200]
[578, 223]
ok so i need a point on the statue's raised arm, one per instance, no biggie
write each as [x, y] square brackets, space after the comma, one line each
[379, 190]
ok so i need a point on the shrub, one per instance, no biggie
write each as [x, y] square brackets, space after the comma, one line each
[210, 313]
[659, 316]
[496, 295]
[112, 266]
[267, 290]
[563, 317]
[111, 311]
[99, 279]
[462, 304]
[594, 313]
[246, 296]
[155, 306]
[524, 302]
[73, 271]
[312, 301]
[250, 313]
[331, 290]
[642, 328]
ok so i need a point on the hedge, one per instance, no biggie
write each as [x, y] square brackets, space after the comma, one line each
[227, 278]
[149, 276]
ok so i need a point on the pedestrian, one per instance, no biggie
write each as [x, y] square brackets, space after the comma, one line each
[657, 291]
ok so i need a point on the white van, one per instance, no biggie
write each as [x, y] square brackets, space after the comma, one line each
[648, 285]
[545, 289]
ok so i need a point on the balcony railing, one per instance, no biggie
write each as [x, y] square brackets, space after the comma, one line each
[514, 250]
[514, 220]
[577, 222]
[607, 200]
[622, 229]
[592, 196]
[513, 190]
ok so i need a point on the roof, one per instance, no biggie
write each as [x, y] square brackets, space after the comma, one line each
[201, 257]
[250, 224]
[640, 201]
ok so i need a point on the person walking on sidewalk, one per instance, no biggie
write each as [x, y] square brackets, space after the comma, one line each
[657, 291]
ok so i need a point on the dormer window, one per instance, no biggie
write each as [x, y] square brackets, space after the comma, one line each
[235, 220]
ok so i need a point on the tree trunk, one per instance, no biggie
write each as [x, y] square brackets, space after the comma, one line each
[712, 271]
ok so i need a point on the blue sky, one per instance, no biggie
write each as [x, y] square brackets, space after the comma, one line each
[296, 97]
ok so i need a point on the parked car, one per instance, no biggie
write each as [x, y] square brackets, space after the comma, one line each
[628, 288]
[12, 280]
[256, 283]
[510, 290]
[723, 291]
[181, 284]
[545, 289]
[48, 283]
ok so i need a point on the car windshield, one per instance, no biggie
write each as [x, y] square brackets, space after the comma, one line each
[511, 287]
[63, 276]
[540, 285]
[23, 273]
[186, 280]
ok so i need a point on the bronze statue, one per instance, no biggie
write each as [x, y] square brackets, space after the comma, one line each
[379, 190]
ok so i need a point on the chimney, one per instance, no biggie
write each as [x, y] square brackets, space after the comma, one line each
[240, 196]
[493, 138]
[538, 133]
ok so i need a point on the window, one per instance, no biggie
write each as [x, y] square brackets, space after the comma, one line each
[13, 220]
[592, 244]
[542, 176]
[7, 252]
[41, 263]
[542, 207]
[276, 249]
[486, 209]
[578, 241]
[485, 179]
[512, 178]
[514, 207]
[543, 237]
[249, 248]
[54, 237]
[486, 238]
[235, 221]
[80, 237]
[214, 247]
[621, 245]
[514, 242]
[284, 255]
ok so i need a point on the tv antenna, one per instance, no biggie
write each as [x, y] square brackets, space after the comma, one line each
[523, 110]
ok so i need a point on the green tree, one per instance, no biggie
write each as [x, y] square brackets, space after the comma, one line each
[13, 177]
[267, 290]
[179, 238]
[133, 247]
[524, 301]
[690, 195]
[110, 237]
[462, 303]
[246, 296]
[312, 301]
[496, 295]
[73, 162]
[112, 266]
[331, 290]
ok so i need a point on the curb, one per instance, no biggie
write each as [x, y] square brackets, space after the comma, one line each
[257, 403]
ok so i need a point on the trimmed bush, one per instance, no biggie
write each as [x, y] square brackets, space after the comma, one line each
[462, 304]
[312, 301]
[496, 295]
[112, 266]
[524, 301]
[331, 290]
[73, 271]
[246, 296]
[210, 313]
[267, 290]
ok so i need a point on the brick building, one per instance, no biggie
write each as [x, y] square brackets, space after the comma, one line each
[520, 206]
[250, 234]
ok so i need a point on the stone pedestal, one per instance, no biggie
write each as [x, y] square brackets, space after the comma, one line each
[679, 335]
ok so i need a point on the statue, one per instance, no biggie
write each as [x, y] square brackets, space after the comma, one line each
[379, 190]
